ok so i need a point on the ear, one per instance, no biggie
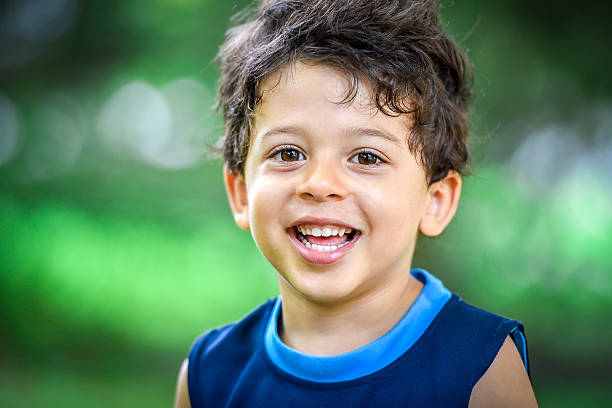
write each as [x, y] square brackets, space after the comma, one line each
[442, 204]
[237, 194]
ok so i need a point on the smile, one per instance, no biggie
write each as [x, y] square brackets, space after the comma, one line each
[323, 244]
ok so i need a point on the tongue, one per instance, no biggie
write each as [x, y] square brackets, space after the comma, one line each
[333, 240]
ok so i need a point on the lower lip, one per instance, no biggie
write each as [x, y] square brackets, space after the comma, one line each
[317, 257]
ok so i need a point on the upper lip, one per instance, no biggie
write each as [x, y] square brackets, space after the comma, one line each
[321, 221]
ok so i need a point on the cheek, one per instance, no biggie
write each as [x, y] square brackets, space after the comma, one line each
[267, 197]
[393, 209]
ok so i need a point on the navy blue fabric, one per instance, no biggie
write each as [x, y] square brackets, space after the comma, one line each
[229, 367]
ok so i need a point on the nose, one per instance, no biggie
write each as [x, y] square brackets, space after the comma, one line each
[323, 180]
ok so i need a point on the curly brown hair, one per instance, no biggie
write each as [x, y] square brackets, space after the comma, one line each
[397, 47]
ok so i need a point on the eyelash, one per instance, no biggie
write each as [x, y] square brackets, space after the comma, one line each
[283, 148]
[379, 160]
[276, 152]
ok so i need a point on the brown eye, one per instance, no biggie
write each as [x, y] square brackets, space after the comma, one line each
[367, 159]
[289, 155]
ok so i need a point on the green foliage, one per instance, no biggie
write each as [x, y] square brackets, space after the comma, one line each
[144, 281]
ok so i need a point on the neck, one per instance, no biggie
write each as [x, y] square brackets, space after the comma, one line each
[325, 328]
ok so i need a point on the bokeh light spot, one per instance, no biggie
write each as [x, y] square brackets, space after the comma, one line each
[135, 122]
[167, 128]
[545, 157]
[189, 103]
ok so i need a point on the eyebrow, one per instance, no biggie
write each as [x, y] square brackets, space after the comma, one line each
[361, 131]
[295, 130]
[364, 131]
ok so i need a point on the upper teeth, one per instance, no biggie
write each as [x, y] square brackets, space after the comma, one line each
[323, 231]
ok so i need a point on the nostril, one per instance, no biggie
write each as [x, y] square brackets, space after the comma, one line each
[321, 191]
[320, 197]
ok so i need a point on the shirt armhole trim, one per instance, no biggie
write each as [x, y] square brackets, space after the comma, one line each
[517, 335]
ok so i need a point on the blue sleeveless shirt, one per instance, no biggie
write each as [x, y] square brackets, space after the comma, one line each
[433, 357]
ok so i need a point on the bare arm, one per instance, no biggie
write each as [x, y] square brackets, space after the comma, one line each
[181, 398]
[505, 384]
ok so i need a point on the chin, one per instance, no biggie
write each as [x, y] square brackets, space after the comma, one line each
[323, 291]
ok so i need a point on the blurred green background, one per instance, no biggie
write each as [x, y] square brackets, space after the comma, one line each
[117, 247]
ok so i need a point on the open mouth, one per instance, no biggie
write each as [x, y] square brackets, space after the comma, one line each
[324, 239]
[323, 244]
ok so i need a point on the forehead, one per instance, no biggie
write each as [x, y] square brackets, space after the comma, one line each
[311, 94]
[302, 75]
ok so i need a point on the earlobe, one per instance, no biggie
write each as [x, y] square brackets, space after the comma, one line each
[237, 194]
[442, 204]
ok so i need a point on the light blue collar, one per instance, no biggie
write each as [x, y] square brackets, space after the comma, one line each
[369, 358]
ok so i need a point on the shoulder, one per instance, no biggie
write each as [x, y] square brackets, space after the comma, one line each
[467, 340]
[505, 383]
[482, 329]
[221, 338]
[224, 350]
[466, 316]
[181, 397]
[497, 347]
[479, 330]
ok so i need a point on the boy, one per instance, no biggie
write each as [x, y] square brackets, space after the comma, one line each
[346, 136]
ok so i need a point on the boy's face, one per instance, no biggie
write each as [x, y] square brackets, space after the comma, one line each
[318, 167]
